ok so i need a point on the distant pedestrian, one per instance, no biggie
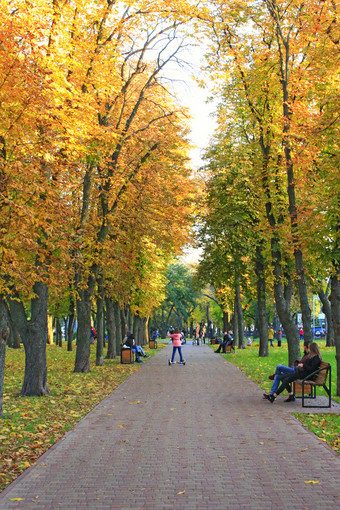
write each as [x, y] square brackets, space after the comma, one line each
[271, 336]
[279, 337]
[93, 335]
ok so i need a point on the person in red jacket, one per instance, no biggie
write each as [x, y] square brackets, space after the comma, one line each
[177, 344]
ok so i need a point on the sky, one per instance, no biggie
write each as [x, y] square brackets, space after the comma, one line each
[202, 128]
[202, 123]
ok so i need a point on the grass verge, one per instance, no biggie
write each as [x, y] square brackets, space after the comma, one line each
[33, 424]
[325, 426]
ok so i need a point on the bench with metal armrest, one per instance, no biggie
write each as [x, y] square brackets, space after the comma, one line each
[310, 383]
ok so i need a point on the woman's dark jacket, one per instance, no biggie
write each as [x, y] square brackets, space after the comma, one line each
[309, 367]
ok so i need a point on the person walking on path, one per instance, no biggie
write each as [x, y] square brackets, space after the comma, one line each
[271, 336]
[176, 344]
[300, 372]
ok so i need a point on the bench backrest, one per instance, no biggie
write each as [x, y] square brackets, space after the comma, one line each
[322, 376]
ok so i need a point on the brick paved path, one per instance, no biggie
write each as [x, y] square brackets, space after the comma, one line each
[201, 437]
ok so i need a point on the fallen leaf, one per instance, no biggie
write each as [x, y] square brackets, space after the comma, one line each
[222, 456]
[121, 426]
[311, 481]
[138, 402]
[181, 492]
[16, 499]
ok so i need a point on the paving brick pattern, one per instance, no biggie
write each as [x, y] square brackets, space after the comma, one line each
[184, 437]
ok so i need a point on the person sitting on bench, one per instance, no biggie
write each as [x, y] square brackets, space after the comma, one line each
[282, 371]
[129, 342]
[227, 340]
[299, 372]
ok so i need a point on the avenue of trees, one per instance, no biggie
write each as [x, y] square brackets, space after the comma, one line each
[96, 192]
[90, 138]
[271, 221]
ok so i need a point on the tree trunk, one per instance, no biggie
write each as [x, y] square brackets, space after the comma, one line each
[111, 330]
[4, 331]
[135, 328]
[293, 214]
[50, 330]
[118, 325]
[34, 336]
[235, 324]
[326, 309]
[82, 361]
[226, 326]
[14, 333]
[142, 336]
[335, 307]
[146, 330]
[302, 286]
[239, 314]
[124, 322]
[100, 324]
[59, 334]
[70, 325]
[261, 303]
[282, 306]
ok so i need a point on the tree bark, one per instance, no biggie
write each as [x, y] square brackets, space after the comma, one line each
[14, 333]
[70, 325]
[34, 336]
[226, 325]
[82, 361]
[284, 49]
[4, 331]
[283, 310]
[59, 334]
[326, 309]
[335, 307]
[123, 321]
[261, 303]
[239, 315]
[235, 324]
[118, 325]
[100, 324]
[135, 328]
[111, 352]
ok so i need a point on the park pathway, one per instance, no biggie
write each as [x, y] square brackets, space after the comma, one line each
[183, 437]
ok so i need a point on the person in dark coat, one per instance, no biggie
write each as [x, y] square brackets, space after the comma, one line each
[227, 340]
[300, 372]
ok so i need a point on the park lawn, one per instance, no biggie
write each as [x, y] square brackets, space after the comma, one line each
[325, 426]
[33, 424]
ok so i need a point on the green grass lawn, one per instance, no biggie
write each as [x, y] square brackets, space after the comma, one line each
[325, 426]
[32, 424]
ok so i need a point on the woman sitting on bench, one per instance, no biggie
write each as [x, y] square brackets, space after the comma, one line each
[300, 372]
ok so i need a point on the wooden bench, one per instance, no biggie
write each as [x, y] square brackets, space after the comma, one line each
[229, 348]
[307, 385]
[153, 344]
[127, 355]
